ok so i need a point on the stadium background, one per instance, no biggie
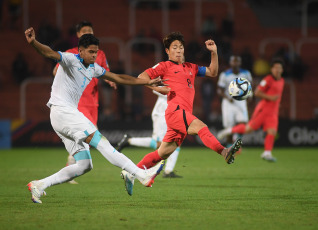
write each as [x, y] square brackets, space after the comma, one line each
[130, 33]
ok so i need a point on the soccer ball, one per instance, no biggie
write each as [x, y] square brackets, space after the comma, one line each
[240, 89]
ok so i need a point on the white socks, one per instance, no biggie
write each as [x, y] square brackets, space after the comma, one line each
[67, 173]
[171, 161]
[143, 142]
[113, 156]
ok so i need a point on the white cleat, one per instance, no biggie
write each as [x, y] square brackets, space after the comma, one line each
[129, 181]
[36, 192]
[223, 133]
[150, 174]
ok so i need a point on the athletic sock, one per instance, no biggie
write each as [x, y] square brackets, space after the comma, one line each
[209, 140]
[269, 142]
[150, 160]
[171, 161]
[240, 128]
[112, 155]
[83, 164]
[143, 142]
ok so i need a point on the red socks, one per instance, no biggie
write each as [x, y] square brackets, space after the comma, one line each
[209, 140]
[150, 160]
[240, 129]
[269, 142]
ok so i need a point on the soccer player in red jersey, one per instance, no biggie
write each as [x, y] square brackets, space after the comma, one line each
[180, 121]
[265, 115]
[88, 103]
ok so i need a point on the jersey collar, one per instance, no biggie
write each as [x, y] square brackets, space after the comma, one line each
[81, 60]
[174, 62]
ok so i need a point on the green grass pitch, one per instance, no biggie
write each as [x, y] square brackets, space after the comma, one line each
[249, 194]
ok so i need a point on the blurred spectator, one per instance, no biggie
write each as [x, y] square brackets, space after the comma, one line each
[261, 67]
[1, 9]
[207, 93]
[20, 68]
[15, 9]
[209, 28]
[247, 59]
[225, 49]
[47, 33]
[298, 68]
[227, 26]
[193, 49]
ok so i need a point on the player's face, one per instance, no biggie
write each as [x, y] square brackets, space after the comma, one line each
[176, 52]
[85, 30]
[277, 70]
[235, 63]
[89, 54]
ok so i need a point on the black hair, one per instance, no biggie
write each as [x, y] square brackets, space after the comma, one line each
[87, 39]
[82, 24]
[171, 38]
[277, 61]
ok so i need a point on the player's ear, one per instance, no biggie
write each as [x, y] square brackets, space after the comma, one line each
[167, 51]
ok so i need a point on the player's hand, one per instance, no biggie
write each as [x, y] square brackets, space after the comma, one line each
[112, 84]
[163, 90]
[30, 35]
[157, 82]
[211, 46]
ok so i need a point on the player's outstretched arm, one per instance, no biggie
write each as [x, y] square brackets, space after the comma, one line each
[129, 80]
[162, 90]
[213, 69]
[40, 48]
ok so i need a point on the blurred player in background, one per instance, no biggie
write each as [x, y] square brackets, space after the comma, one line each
[265, 115]
[180, 121]
[233, 111]
[158, 133]
[77, 131]
[88, 103]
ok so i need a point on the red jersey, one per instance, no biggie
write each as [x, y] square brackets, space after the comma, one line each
[89, 97]
[270, 86]
[180, 78]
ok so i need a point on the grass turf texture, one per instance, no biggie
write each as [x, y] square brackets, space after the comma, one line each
[249, 194]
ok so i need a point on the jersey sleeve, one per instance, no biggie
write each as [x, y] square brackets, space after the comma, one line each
[156, 71]
[66, 59]
[99, 71]
[201, 71]
[221, 81]
[264, 84]
[74, 51]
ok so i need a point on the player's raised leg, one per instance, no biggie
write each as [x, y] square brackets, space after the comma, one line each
[210, 141]
[118, 159]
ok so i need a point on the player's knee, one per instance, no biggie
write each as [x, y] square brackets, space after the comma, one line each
[85, 165]
[271, 132]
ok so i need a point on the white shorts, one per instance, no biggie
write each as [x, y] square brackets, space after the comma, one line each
[159, 127]
[234, 113]
[72, 127]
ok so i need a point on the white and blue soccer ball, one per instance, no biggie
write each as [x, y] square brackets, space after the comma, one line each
[240, 89]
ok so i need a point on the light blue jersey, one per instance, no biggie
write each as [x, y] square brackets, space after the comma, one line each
[71, 79]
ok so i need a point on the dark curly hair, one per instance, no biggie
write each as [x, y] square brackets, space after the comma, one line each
[171, 38]
[277, 60]
[88, 39]
[82, 24]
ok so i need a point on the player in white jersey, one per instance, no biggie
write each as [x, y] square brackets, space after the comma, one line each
[158, 133]
[73, 75]
[233, 111]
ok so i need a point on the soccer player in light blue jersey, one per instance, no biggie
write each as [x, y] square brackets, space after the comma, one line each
[74, 74]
